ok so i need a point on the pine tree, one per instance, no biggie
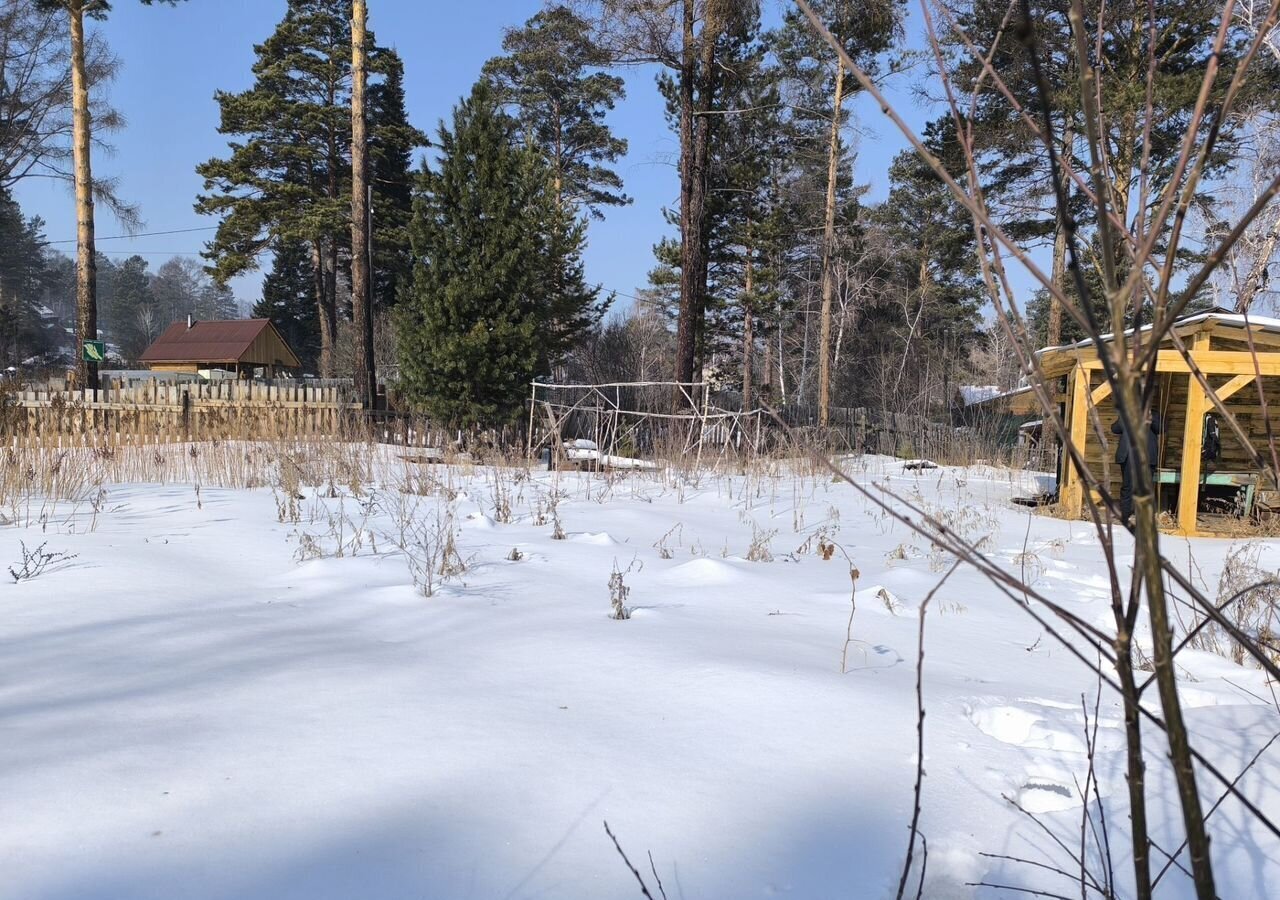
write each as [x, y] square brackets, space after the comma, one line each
[551, 82]
[695, 41]
[392, 144]
[867, 30]
[288, 300]
[288, 176]
[1018, 182]
[748, 148]
[926, 320]
[364, 376]
[754, 147]
[174, 288]
[82, 137]
[23, 332]
[493, 283]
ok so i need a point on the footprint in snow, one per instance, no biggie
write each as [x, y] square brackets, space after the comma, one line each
[1039, 724]
[1041, 793]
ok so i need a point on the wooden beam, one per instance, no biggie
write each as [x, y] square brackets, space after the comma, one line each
[1192, 439]
[1100, 393]
[1260, 338]
[1233, 386]
[1073, 488]
[1210, 362]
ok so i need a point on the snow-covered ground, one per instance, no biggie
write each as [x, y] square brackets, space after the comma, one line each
[209, 702]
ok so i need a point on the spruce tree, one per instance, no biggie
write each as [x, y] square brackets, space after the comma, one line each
[499, 284]
[131, 316]
[572, 307]
[288, 300]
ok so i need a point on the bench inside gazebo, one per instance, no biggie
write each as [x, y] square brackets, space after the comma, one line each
[1240, 361]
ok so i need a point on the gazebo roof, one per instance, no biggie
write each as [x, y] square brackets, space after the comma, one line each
[1058, 360]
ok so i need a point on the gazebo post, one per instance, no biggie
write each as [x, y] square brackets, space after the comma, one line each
[1073, 490]
[1192, 441]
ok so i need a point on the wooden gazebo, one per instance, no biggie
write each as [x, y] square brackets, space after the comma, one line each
[1218, 344]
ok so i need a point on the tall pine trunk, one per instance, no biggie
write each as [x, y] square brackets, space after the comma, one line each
[767, 365]
[331, 303]
[695, 250]
[86, 255]
[325, 311]
[557, 181]
[1053, 334]
[748, 323]
[327, 263]
[685, 328]
[363, 374]
[828, 251]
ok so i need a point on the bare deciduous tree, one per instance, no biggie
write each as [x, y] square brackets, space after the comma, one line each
[35, 95]
[1130, 228]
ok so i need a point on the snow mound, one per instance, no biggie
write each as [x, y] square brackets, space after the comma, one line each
[703, 572]
[596, 539]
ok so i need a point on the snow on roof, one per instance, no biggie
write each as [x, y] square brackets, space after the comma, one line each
[978, 393]
[1233, 320]
[974, 394]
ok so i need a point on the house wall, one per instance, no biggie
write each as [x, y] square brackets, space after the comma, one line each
[268, 350]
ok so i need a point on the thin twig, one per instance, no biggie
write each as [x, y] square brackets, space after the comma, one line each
[634, 871]
[915, 814]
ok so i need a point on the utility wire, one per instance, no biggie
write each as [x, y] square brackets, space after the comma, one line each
[129, 237]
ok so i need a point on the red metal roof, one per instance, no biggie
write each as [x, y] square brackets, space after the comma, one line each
[224, 341]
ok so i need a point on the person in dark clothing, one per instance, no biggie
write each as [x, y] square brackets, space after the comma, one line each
[1128, 459]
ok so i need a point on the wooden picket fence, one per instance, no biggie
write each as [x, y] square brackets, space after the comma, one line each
[156, 412]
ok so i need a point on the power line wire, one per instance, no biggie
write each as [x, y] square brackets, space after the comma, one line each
[150, 252]
[130, 237]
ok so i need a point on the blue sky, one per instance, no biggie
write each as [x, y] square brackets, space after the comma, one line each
[176, 57]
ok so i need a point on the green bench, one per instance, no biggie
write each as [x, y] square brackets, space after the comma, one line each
[1248, 481]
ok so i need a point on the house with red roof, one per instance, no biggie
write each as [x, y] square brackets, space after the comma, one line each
[242, 346]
